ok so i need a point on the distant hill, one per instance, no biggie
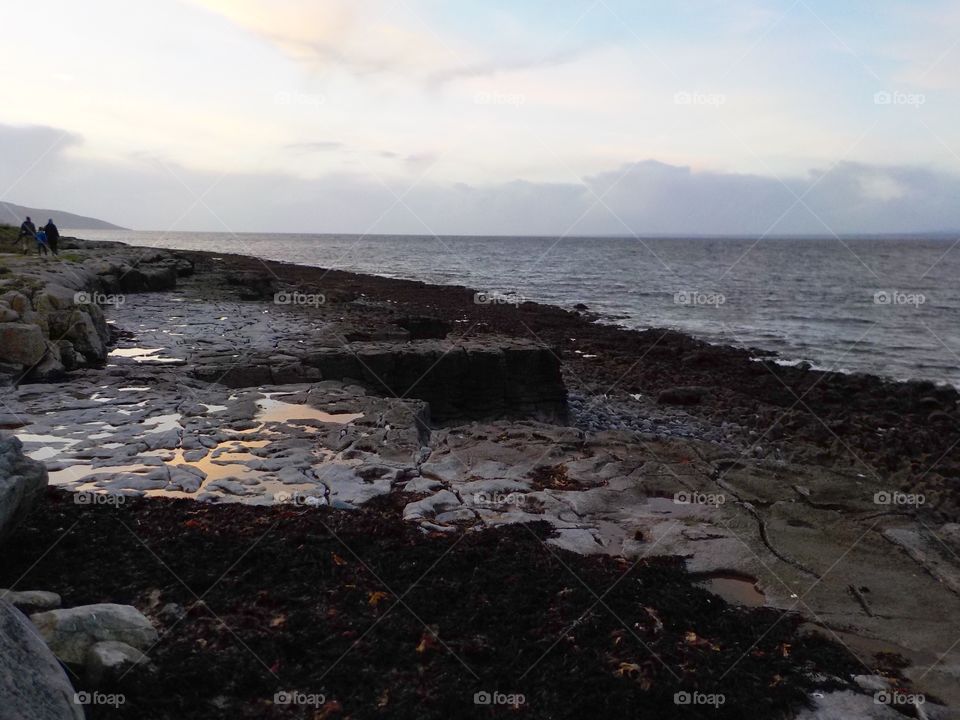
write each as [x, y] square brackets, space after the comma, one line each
[14, 214]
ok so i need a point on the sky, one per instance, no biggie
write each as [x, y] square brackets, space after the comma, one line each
[486, 117]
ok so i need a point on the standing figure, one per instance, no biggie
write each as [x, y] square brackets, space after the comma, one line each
[42, 243]
[53, 236]
[28, 231]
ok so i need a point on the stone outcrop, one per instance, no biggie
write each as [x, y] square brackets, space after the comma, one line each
[22, 480]
[33, 685]
[72, 632]
[50, 315]
[467, 379]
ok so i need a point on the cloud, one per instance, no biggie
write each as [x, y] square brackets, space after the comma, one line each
[312, 147]
[361, 38]
[646, 198]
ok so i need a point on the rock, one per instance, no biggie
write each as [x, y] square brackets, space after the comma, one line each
[845, 705]
[17, 301]
[70, 633]
[33, 685]
[692, 395]
[21, 343]
[873, 683]
[425, 328]
[50, 366]
[108, 661]
[8, 314]
[68, 356]
[172, 613]
[31, 601]
[941, 418]
[85, 327]
[22, 480]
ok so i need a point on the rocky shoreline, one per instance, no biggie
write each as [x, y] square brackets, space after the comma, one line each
[820, 503]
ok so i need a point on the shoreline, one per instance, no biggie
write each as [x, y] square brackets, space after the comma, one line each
[823, 351]
[413, 407]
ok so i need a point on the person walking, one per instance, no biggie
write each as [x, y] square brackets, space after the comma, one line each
[42, 243]
[27, 231]
[53, 236]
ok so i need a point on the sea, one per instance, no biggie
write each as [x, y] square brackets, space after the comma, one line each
[887, 305]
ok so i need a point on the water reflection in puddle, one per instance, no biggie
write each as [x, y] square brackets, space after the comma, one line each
[144, 355]
[271, 410]
[133, 352]
[735, 589]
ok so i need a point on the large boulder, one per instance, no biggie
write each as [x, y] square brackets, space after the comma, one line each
[22, 480]
[71, 632]
[21, 343]
[33, 685]
[86, 329]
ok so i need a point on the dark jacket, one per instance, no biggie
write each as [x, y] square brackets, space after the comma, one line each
[28, 228]
[52, 233]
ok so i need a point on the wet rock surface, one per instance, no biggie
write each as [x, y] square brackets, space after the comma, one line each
[397, 394]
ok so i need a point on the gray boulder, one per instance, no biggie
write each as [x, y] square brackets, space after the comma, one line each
[31, 601]
[108, 661]
[33, 685]
[71, 633]
[21, 343]
[22, 480]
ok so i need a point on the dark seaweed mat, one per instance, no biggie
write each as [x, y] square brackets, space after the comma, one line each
[288, 591]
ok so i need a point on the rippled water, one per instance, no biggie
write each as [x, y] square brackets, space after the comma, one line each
[813, 299]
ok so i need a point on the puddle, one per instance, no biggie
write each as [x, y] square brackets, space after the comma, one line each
[133, 352]
[46, 452]
[735, 589]
[162, 423]
[270, 410]
[145, 356]
[224, 461]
